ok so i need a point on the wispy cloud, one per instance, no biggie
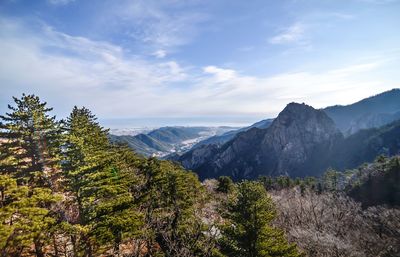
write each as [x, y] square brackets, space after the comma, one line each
[292, 34]
[161, 24]
[77, 68]
[160, 53]
[220, 74]
[68, 70]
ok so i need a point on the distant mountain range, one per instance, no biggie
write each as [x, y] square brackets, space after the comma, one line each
[303, 141]
[168, 140]
[371, 112]
[221, 139]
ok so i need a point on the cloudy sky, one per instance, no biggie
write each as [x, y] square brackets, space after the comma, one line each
[197, 61]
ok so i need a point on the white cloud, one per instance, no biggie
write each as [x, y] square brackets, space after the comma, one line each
[161, 24]
[160, 53]
[220, 74]
[269, 94]
[75, 70]
[294, 33]
[66, 70]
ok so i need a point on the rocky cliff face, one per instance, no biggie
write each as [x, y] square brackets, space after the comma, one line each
[299, 139]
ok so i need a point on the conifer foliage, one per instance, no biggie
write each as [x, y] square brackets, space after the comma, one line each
[65, 190]
[247, 231]
[30, 141]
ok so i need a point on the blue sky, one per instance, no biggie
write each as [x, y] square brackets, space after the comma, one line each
[204, 59]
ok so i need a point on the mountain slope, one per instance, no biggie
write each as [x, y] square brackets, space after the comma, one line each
[289, 145]
[166, 140]
[366, 145]
[300, 142]
[221, 139]
[371, 112]
[175, 134]
[142, 144]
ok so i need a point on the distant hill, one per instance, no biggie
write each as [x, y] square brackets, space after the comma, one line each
[222, 139]
[142, 144]
[366, 145]
[371, 112]
[166, 140]
[175, 135]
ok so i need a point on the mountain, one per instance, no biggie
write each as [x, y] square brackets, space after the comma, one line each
[301, 141]
[166, 140]
[225, 137]
[371, 112]
[366, 145]
[173, 135]
[295, 142]
[377, 183]
[142, 144]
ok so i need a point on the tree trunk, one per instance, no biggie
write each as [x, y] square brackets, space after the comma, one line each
[38, 249]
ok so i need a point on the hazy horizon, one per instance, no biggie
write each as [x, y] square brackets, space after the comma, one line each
[156, 122]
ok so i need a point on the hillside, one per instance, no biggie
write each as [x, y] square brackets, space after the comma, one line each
[142, 144]
[377, 183]
[371, 112]
[300, 142]
[166, 140]
[366, 145]
[290, 145]
[225, 137]
[100, 197]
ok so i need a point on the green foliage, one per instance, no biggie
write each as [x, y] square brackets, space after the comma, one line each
[247, 230]
[25, 218]
[225, 184]
[279, 182]
[98, 175]
[173, 199]
[331, 180]
[378, 184]
[30, 142]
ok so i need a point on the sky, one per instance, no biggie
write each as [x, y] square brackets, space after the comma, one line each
[156, 62]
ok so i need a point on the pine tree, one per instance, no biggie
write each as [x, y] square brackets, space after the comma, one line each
[25, 218]
[247, 230]
[173, 200]
[98, 176]
[225, 184]
[30, 141]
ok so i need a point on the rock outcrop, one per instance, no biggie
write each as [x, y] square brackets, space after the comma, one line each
[299, 139]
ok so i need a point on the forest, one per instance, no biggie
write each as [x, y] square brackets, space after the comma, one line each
[66, 190]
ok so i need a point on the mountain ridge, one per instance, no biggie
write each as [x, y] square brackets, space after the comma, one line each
[301, 141]
[251, 152]
[376, 110]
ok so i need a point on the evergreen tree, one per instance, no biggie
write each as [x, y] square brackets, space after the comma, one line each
[30, 142]
[331, 180]
[25, 218]
[247, 230]
[100, 181]
[173, 201]
[225, 184]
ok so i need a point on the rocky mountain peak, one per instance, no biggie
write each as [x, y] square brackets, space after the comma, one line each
[301, 120]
